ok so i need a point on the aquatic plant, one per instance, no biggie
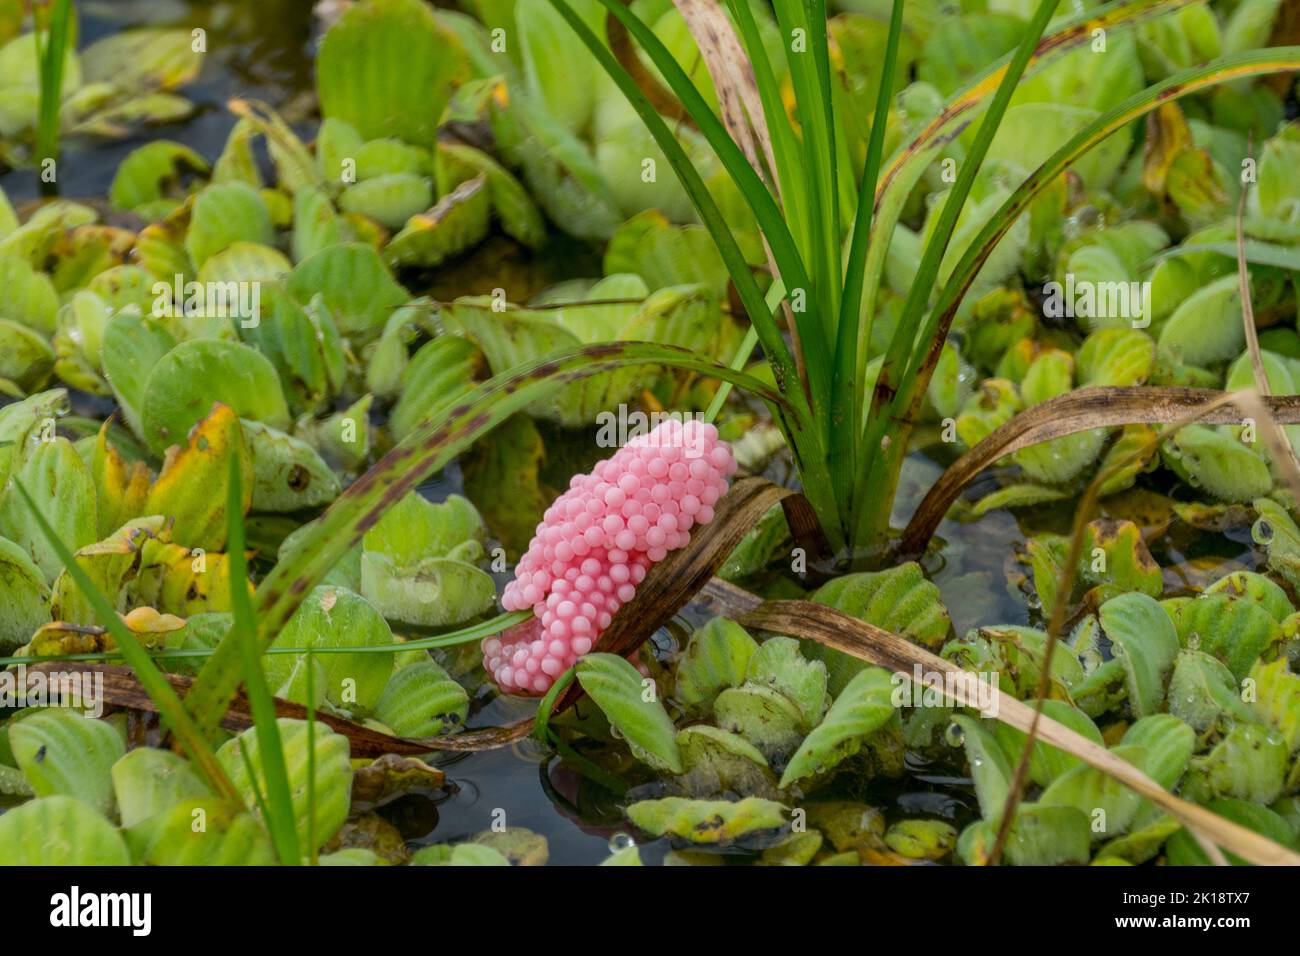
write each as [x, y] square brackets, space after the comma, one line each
[284, 331]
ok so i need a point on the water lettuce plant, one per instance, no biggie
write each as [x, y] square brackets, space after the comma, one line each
[284, 411]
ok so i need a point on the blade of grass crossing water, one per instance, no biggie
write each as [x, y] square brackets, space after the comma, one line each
[278, 812]
[173, 712]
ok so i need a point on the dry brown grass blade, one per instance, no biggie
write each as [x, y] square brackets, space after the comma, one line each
[123, 689]
[1247, 306]
[866, 642]
[675, 580]
[733, 79]
[1077, 411]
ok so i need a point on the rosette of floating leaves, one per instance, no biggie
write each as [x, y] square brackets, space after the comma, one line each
[114, 808]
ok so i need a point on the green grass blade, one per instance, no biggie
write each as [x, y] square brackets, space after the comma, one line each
[313, 850]
[818, 169]
[464, 635]
[900, 356]
[170, 708]
[752, 188]
[434, 445]
[785, 145]
[904, 169]
[775, 293]
[846, 402]
[1235, 67]
[278, 812]
[51, 56]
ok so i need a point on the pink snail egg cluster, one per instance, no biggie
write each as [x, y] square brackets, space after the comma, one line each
[595, 544]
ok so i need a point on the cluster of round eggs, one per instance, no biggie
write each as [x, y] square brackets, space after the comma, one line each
[597, 541]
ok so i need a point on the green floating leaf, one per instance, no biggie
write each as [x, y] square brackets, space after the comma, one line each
[779, 665]
[333, 774]
[861, 708]
[1257, 589]
[30, 298]
[1277, 699]
[63, 753]
[354, 285]
[1145, 639]
[989, 767]
[1142, 844]
[1120, 357]
[148, 781]
[513, 207]
[633, 708]
[64, 492]
[187, 380]
[24, 595]
[223, 214]
[1217, 462]
[388, 68]
[133, 346]
[718, 761]
[1234, 630]
[1041, 836]
[1276, 532]
[288, 474]
[1185, 850]
[1047, 763]
[716, 657]
[459, 221]
[390, 199]
[1249, 763]
[921, 839]
[1206, 327]
[900, 600]
[422, 700]
[26, 359]
[437, 375]
[59, 831]
[766, 718]
[557, 167]
[714, 822]
[463, 854]
[143, 59]
[519, 845]
[418, 563]
[1203, 691]
[336, 617]
[153, 172]
[202, 831]
[1109, 805]
[664, 254]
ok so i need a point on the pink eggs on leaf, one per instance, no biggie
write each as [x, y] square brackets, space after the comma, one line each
[597, 541]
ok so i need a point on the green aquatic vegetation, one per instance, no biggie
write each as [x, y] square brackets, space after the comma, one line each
[114, 85]
[271, 318]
